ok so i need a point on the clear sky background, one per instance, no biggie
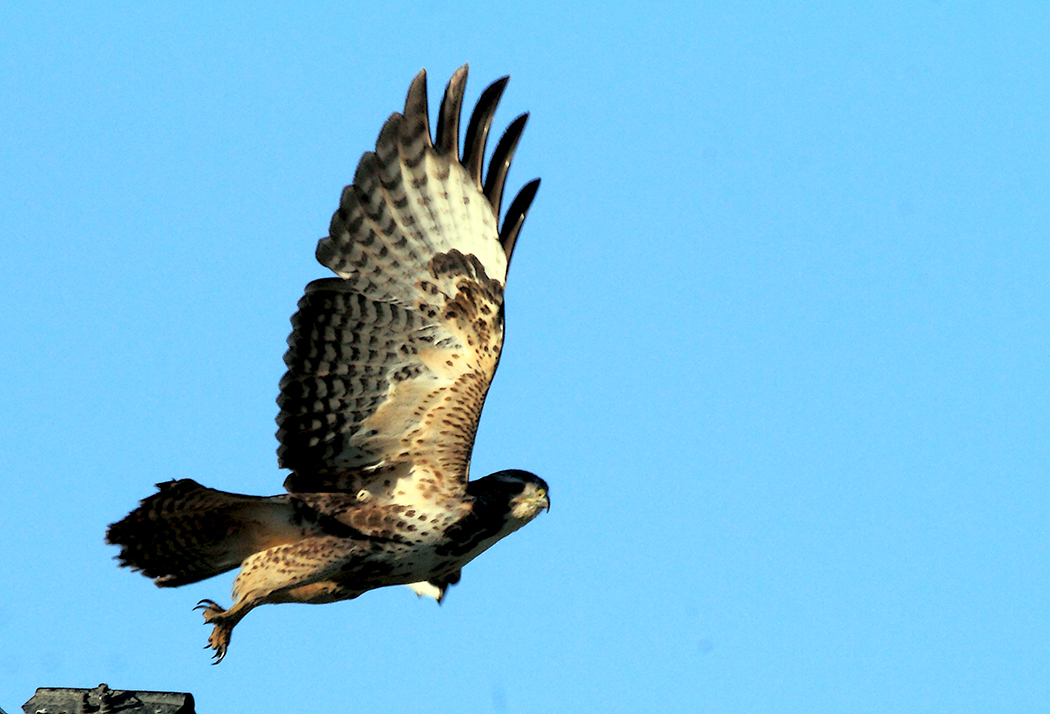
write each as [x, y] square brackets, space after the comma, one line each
[777, 337]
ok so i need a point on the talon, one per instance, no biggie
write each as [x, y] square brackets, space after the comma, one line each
[212, 610]
[219, 639]
[207, 605]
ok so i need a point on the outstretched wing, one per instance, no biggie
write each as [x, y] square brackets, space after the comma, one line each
[389, 364]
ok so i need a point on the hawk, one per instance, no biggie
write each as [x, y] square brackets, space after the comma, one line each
[388, 367]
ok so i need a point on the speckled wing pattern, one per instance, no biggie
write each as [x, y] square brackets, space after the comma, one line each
[389, 363]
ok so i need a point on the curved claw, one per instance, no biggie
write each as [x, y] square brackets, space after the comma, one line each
[220, 653]
[206, 604]
[219, 639]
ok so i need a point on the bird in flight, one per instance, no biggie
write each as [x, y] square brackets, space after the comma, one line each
[388, 367]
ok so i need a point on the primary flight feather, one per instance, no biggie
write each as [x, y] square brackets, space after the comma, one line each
[388, 367]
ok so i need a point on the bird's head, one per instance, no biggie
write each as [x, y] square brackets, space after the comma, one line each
[525, 494]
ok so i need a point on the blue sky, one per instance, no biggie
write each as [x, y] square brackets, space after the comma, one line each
[777, 338]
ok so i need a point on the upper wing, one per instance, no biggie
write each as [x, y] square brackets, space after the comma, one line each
[389, 364]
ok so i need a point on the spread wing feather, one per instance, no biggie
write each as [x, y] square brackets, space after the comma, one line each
[389, 363]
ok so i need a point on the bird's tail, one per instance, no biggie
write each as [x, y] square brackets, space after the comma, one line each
[186, 532]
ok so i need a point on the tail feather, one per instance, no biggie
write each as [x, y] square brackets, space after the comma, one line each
[186, 532]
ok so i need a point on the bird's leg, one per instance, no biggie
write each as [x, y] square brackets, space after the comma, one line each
[223, 621]
[277, 575]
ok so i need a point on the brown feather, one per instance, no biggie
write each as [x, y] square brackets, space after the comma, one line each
[389, 364]
[186, 532]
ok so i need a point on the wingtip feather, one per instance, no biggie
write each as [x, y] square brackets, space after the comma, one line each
[516, 214]
[446, 139]
[499, 166]
[417, 111]
[478, 128]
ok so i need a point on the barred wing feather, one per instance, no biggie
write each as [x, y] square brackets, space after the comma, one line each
[389, 363]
